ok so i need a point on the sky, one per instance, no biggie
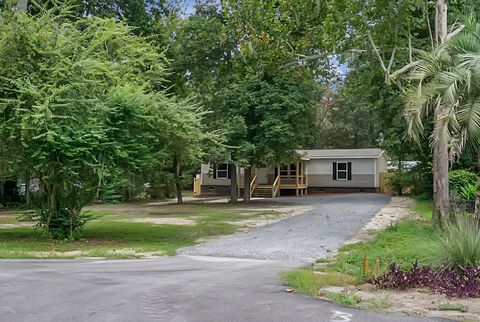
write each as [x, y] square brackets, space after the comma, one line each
[189, 6]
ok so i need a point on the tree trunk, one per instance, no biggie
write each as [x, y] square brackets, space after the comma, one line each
[233, 182]
[177, 174]
[27, 187]
[440, 145]
[441, 30]
[247, 181]
[440, 168]
[477, 196]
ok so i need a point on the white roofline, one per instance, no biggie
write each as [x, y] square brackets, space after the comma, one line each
[340, 156]
[343, 157]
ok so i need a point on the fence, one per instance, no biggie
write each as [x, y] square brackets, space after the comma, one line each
[458, 205]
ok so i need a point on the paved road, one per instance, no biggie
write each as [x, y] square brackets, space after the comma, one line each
[177, 288]
[192, 288]
[302, 238]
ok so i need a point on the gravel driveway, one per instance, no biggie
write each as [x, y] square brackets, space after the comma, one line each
[303, 238]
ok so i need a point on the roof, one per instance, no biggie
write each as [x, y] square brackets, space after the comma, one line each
[342, 153]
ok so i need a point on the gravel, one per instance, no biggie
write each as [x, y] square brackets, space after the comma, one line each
[302, 238]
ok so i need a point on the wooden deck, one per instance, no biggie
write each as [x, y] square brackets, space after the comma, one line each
[298, 183]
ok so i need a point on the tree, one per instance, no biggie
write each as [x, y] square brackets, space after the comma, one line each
[448, 87]
[84, 103]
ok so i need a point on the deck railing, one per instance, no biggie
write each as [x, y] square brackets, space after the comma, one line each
[290, 180]
[253, 184]
[276, 187]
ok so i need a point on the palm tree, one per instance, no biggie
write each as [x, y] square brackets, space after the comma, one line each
[446, 84]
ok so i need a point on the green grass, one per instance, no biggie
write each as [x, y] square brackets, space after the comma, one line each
[403, 244]
[424, 208]
[109, 238]
[308, 282]
[347, 299]
[453, 307]
[112, 235]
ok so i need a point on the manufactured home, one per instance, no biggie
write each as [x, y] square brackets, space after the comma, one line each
[339, 170]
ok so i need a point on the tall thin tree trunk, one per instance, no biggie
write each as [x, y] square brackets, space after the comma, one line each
[177, 174]
[27, 187]
[440, 167]
[441, 202]
[233, 182]
[477, 196]
[247, 182]
[441, 29]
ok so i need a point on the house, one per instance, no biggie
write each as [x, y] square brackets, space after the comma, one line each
[341, 170]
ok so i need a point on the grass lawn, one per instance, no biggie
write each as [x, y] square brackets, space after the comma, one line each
[424, 208]
[115, 234]
[402, 244]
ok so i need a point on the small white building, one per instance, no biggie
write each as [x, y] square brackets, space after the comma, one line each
[335, 170]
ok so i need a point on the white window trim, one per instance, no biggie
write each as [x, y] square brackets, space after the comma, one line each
[346, 171]
[223, 171]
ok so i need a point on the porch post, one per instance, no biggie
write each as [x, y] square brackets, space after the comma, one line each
[296, 176]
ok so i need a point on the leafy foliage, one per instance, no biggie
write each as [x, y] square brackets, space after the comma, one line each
[83, 109]
[461, 178]
[465, 283]
[468, 192]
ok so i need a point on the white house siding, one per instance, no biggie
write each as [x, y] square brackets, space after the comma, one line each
[320, 173]
[382, 164]
[208, 180]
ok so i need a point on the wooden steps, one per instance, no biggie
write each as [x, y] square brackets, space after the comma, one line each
[262, 191]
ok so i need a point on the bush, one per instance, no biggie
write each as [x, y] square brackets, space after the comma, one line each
[401, 182]
[461, 178]
[468, 192]
[464, 283]
[459, 247]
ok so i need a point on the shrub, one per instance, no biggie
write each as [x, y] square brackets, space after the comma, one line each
[468, 192]
[459, 247]
[461, 178]
[401, 182]
[463, 283]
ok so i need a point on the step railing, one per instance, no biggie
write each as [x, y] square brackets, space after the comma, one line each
[253, 184]
[276, 187]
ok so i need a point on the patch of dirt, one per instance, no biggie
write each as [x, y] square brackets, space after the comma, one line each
[132, 252]
[398, 208]
[169, 212]
[129, 252]
[97, 241]
[43, 254]
[165, 221]
[417, 301]
[23, 224]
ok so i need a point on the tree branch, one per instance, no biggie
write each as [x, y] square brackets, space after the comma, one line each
[377, 53]
[455, 32]
[404, 69]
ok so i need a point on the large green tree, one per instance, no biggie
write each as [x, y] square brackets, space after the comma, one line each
[84, 108]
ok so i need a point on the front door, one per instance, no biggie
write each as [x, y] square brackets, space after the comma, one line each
[262, 176]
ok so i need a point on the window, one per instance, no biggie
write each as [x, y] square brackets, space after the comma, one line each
[293, 170]
[287, 170]
[222, 171]
[342, 171]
